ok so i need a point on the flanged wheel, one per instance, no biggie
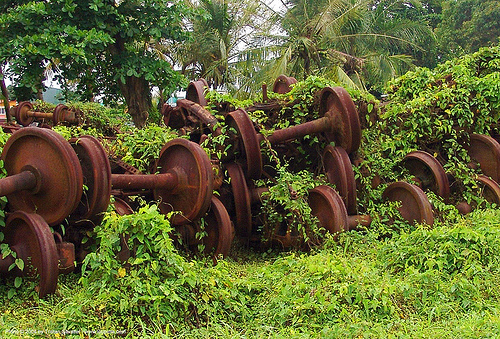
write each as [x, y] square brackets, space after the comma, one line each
[415, 206]
[346, 132]
[30, 237]
[96, 177]
[55, 164]
[486, 151]
[242, 200]
[219, 229]
[327, 205]
[22, 113]
[196, 91]
[490, 189]
[429, 171]
[59, 113]
[283, 84]
[245, 146]
[193, 193]
[339, 172]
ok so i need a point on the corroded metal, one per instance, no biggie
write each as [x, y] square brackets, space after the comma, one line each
[327, 205]
[25, 115]
[193, 190]
[196, 91]
[283, 84]
[219, 230]
[29, 236]
[96, 172]
[490, 190]
[345, 128]
[57, 188]
[340, 124]
[415, 206]
[242, 200]
[245, 145]
[429, 172]
[339, 172]
[486, 151]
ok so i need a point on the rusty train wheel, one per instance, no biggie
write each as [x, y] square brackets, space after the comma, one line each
[283, 84]
[242, 200]
[30, 237]
[59, 113]
[415, 206]
[346, 131]
[246, 146]
[196, 91]
[96, 177]
[327, 205]
[193, 194]
[490, 189]
[22, 113]
[339, 172]
[60, 174]
[429, 172]
[219, 229]
[486, 151]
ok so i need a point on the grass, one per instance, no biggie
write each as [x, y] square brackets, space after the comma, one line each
[359, 286]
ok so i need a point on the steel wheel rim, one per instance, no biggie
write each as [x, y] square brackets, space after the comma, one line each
[58, 165]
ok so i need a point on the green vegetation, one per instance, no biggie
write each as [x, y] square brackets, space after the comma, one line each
[394, 279]
[439, 282]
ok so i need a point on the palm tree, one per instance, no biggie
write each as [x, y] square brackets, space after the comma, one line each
[356, 42]
[220, 32]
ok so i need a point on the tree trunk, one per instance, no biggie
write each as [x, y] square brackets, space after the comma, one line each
[5, 94]
[138, 98]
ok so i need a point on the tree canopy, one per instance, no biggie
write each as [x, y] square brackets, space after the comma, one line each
[98, 47]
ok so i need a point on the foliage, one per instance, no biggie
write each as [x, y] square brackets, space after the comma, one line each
[97, 47]
[466, 26]
[140, 147]
[357, 43]
[434, 111]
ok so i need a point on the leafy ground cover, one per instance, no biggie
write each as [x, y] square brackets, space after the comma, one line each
[393, 280]
[440, 282]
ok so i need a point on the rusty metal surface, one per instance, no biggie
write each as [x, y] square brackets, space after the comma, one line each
[96, 172]
[283, 84]
[242, 202]
[490, 190]
[415, 206]
[60, 183]
[66, 254]
[121, 207]
[339, 172]
[486, 151]
[59, 114]
[245, 146]
[30, 237]
[219, 229]
[196, 91]
[194, 187]
[429, 171]
[199, 116]
[21, 113]
[345, 130]
[327, 205]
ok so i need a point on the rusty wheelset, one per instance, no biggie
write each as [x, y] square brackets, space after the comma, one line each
[339, 124]
[25, 115]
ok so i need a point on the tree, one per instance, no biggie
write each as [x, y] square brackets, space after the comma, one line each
[101, 47]
[359, 42]
[220, 31]
[467, 25]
